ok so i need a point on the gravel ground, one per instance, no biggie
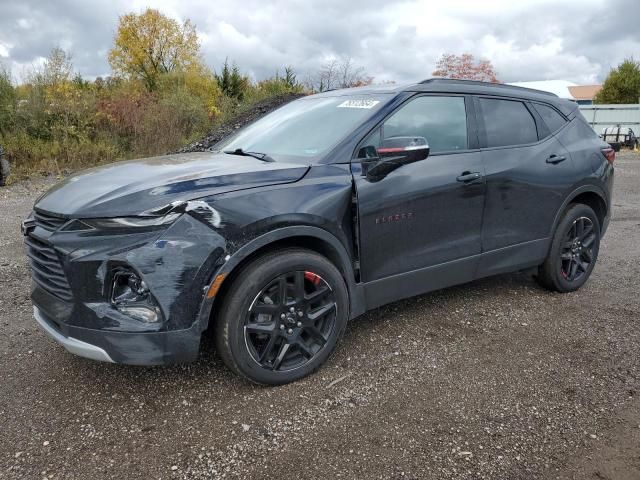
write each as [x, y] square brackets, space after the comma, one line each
[496, 379]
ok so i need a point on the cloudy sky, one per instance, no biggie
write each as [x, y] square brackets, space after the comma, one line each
[576, 40]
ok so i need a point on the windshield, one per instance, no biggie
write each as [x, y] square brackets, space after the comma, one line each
[305, 129]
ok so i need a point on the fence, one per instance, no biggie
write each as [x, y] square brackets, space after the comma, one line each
[603, 116]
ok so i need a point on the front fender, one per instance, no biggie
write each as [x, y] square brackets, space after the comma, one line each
[301, 232]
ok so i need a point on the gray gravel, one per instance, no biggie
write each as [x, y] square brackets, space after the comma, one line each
[496, 379]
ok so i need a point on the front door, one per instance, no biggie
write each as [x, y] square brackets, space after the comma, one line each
[425, 213]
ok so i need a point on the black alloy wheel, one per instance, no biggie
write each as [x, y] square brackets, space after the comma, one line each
[281, 316]
[573, 251]
[577, 249]
[290, 320]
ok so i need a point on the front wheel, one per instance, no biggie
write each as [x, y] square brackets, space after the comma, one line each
[573, 252]
[282, 316]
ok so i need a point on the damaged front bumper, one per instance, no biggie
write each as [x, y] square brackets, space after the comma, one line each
[96, 314]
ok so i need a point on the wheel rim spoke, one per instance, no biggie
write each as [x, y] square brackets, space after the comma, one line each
[284, 348]
[299, 286]
[317, 335]
[587, 230]
[317, 295]
[304, 349]
[320, 312]
[588, 241]
[260, 327]
[268, 348]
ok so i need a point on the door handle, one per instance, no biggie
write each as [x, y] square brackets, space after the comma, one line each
[554, 159]
[469, 176]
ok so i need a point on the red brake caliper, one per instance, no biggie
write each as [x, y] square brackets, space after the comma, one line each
[312, 277]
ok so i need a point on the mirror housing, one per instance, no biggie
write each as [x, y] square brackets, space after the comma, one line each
[395, 152]
[404, 149]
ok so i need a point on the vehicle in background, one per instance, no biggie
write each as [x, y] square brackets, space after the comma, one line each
[329, 206]
[619, 137]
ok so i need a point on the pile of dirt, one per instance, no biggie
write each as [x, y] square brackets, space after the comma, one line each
[243, 118]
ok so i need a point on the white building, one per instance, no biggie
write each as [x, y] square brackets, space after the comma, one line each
[581, 94]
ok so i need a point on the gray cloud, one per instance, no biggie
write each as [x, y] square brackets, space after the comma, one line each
[577, 40]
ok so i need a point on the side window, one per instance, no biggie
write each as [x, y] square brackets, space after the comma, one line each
[507, 122]
[550, 116]
[442, 121]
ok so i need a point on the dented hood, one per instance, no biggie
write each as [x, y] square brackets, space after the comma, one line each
[129, 188]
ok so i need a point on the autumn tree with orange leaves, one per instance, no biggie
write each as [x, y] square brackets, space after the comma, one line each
[465, 67]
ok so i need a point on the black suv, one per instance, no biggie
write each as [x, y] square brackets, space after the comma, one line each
[332, 205]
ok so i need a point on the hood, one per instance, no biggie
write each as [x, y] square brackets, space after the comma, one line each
[129, 188]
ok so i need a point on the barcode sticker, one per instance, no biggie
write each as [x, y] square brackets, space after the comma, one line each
[359, 103]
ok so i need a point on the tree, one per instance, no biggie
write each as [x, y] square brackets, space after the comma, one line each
[58, 67]
[338, 73]
[622, 84]
[150, 44]
[8, 100]
[232, 83]
[465, 67]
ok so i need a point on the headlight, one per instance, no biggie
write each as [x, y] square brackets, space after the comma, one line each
[123, 224]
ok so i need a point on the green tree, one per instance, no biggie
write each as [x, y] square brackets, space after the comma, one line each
[622, 84]
[232, 82]
[8, 99]
[151, 44]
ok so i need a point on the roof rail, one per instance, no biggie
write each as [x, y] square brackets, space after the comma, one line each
[485, 84]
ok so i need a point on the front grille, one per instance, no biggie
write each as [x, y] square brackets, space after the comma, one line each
[46, 269]
[48, 222]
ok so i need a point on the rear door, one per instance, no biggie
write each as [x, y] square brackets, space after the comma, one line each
[428, 212]
[528, 172]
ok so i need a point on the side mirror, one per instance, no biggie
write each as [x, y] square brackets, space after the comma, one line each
[393, 153]
[404, 149]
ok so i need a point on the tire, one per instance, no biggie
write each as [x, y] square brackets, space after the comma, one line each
[574, 251]
[256, 321]
[5, 170]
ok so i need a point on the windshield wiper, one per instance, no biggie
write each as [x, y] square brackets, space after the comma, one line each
[260, 156]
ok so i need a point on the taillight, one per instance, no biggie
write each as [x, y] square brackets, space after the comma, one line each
[610, 154]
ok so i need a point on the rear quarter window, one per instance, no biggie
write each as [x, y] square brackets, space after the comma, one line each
[550, 116]
[507, 122]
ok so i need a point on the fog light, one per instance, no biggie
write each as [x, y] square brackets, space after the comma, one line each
[130, 296]
[144, 314]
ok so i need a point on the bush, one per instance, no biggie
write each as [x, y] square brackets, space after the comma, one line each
[57, 122]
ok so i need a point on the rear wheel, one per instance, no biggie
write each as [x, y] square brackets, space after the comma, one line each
[574, 251]
[282, 316]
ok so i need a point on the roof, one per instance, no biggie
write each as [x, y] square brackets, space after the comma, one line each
[557, 87]
[447, 85]
[584, 92]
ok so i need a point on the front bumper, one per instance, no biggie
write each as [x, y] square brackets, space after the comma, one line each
[73, 345]
[73, 277]
[132, 348]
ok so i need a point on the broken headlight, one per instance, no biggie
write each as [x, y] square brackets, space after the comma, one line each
[122, 224]
[131, 296]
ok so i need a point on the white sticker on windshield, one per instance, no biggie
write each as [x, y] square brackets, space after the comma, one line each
[359, 103]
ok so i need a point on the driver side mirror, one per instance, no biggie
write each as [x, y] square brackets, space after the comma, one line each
[404, 149]
[394, 153]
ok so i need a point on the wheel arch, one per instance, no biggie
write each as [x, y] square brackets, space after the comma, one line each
[312, 238]
[590, 195]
